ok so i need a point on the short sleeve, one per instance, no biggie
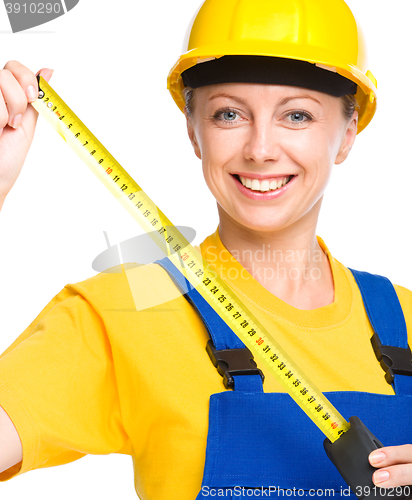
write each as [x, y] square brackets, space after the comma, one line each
[58, 386]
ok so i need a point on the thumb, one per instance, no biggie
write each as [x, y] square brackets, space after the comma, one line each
[46, 73]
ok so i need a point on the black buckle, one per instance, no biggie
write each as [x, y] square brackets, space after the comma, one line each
[231, 362]
[394, 360]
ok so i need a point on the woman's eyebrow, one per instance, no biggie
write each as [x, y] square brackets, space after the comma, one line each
[289, 98]
[284, 101]
[228, 96]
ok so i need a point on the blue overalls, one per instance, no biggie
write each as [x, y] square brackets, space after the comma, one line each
[284, 457]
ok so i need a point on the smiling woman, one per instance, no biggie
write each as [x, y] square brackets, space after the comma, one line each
[273, 100]
[274, 94]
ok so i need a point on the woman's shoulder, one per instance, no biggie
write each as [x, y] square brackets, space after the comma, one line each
[403, 293]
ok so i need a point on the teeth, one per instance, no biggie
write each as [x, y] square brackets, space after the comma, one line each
[263, 186]
[255, 185]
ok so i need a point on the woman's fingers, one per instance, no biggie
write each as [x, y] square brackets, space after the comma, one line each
[14, 98]
[391, 477]
[391, 455]
[26, 79]
[18, 86]
[394, 465]
[31, 115]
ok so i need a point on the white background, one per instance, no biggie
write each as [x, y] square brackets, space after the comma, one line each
[111, 60]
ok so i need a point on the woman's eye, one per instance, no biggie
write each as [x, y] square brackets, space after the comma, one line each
[229, 116]
[298, 117]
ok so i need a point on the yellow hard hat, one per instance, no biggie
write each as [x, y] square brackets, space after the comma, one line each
[321, 32]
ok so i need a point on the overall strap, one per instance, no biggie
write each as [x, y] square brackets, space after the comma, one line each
[390, 340]
[228, 353]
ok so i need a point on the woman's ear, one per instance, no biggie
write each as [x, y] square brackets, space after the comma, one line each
[192, 135]
[348, 139]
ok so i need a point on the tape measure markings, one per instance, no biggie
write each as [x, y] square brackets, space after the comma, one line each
[189, 261]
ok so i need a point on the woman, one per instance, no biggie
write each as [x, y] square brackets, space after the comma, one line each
[268, 125]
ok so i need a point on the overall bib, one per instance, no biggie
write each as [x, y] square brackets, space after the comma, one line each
[285, 457]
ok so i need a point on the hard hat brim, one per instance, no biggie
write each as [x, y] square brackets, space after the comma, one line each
[366, 94]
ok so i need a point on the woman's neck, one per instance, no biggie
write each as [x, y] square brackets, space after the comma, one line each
[289, 263]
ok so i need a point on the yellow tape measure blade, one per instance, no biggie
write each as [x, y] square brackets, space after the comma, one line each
[190, 262]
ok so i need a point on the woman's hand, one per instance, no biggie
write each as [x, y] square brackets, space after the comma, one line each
[18, 88]
[394, 464]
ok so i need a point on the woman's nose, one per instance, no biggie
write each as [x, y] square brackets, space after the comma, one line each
[262, 143]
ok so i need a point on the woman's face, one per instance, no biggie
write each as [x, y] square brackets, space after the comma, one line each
[268, 151]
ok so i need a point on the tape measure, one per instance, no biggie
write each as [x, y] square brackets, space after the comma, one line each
[189, 262]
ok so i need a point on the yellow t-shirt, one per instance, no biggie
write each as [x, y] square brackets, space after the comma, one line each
[117, 364]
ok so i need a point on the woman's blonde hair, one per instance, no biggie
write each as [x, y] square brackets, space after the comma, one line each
[349, 103]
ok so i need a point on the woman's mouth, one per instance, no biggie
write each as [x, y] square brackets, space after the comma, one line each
[264, 185]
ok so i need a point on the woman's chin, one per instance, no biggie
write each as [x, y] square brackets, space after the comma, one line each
[258, 222]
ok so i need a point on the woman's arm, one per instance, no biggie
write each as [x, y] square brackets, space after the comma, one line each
[18, 88]
[11, 452]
